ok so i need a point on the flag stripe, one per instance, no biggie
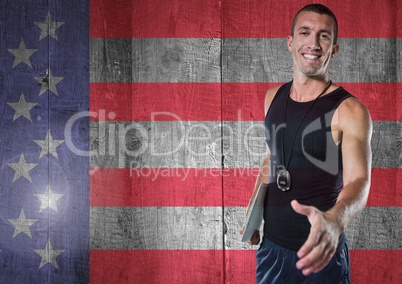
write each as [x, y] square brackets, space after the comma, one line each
[146, 101]
[155, 60]
[188, 144]
[187, 228]
[157, 266]
[203, 101]
[359, 60]
[256, 19]
[142, 19]
[193, 18]
[157, 187]
[375, 266]
[203, 187]
[205, 266]
[243, 60]
[156, 228]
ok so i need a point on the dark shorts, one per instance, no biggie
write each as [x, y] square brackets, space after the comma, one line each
[278, 265]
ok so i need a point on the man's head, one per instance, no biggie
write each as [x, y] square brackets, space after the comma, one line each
[319, 9]
[313, 41]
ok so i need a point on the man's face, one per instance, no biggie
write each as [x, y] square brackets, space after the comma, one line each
[312, 44]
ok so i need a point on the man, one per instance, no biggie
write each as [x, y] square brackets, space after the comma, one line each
[318, 162]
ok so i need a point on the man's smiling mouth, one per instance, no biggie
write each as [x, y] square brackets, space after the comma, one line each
[310, 56]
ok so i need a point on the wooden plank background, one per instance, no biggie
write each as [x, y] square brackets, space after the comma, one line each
[176, 92]
[210, 63]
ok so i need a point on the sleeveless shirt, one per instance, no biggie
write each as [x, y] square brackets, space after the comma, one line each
[315, 165]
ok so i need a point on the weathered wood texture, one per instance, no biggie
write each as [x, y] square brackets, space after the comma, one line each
[192, 228]
[243, 60]
[187, 144]
[155, 60]
[238, 45]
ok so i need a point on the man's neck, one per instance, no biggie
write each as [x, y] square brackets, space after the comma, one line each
[308, 88]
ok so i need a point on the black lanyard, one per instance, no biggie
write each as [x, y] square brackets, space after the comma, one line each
[286, 165]
[283, 178]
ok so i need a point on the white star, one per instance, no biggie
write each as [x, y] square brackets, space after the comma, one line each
[48, 255]
[48, 199]
[22, 224]
[22, 108]
[22, 168]
[22, 54]
[48, 27]
[49, 83]
[48, 145]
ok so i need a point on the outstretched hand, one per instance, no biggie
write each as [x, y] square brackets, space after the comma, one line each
[322, 241]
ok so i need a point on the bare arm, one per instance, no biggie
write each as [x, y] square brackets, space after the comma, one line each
[356, 129]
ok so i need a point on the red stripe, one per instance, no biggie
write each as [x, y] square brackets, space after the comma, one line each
[203, 101]
[153, 19]
[376, 266]
[203, 187]
[206, 266]
[380, 98]
[156, 266]
[240, 18]
[245, 101]
[386, 188]
[144, 187]
[138, 101]
[367, 266]
[356, 19]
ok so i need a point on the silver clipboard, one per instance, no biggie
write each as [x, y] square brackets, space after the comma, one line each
[255, 213]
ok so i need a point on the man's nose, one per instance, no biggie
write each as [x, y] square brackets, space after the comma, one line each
[314, 42]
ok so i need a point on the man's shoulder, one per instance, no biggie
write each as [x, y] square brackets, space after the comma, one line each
[353, 113]
[352, 106]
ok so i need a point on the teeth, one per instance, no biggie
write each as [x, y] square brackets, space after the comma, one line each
[308, 56]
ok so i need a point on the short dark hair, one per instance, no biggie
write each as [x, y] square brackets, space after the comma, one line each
[319, 9]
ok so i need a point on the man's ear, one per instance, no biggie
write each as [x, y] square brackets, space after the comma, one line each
[289, 40]
[335, 50]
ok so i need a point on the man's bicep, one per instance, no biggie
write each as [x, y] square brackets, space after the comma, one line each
[356, 150]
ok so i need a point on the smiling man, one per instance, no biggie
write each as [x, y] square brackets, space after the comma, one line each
[319, 157]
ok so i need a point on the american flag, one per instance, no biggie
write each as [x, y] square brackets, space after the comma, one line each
[132, 134]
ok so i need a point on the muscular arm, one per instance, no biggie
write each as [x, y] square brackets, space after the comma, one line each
[355, 127]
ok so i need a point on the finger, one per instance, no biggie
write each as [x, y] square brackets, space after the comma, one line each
[312, 240]
[318, 258]
[329, 255]
[242, 231]
[308, 263]
[301, 209]
[328, 251]
[256, 238]
[253, 241]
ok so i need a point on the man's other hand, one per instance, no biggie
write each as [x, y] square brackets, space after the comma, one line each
[255, 239]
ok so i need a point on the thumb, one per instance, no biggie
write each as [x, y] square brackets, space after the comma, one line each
[301, 209]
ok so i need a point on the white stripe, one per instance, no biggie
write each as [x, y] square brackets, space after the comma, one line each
[186, 228]
[243, 60]
[187, 144]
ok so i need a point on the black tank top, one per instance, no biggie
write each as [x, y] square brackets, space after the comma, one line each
[315, 165]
